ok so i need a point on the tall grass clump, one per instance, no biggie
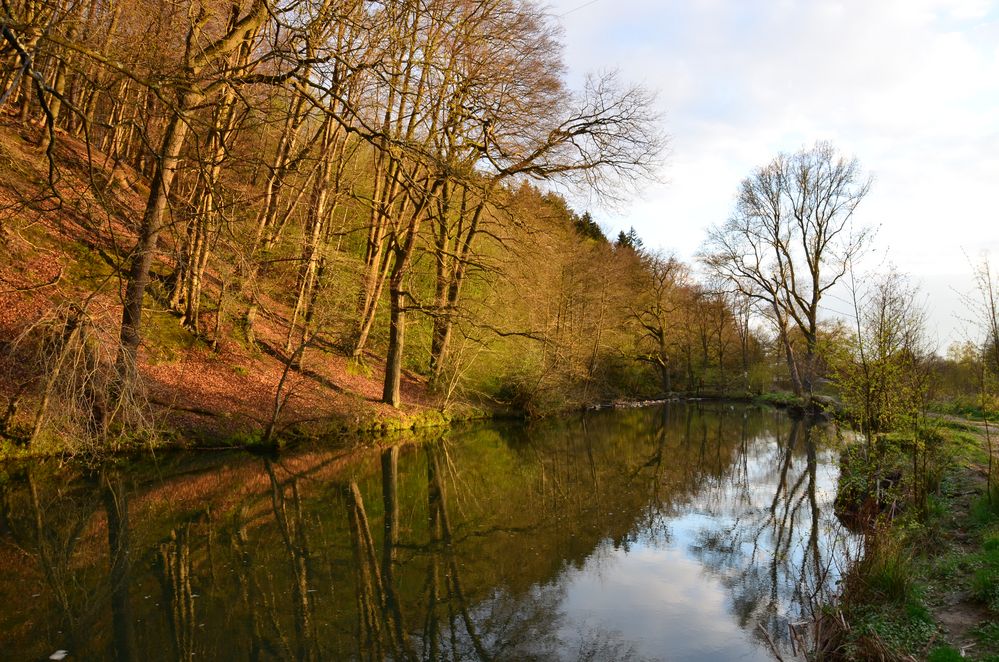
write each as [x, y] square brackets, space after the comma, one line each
[885, 572]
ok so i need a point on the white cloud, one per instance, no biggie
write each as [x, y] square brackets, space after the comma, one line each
[910, 87]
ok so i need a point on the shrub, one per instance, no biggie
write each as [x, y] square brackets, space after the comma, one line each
[780, 399]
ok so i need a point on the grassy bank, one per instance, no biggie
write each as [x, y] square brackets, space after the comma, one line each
[927, 587]
[359, 428]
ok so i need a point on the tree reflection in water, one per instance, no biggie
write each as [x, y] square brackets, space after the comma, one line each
[476, 545]
[779, 554]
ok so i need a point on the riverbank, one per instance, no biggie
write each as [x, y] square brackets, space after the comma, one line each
[928, 585]
[195, 427]
[358, 419]
[358, 423]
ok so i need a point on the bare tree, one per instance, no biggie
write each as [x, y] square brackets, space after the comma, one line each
[986, 310]
[253, 150]
[789, 242]
[200, 53]
[472, 97]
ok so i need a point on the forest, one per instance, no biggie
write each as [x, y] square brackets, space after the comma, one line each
[260, 218]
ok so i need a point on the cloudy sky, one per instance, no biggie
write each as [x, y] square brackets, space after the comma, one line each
[909, 87]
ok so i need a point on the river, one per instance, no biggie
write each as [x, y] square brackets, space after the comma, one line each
[677, 532]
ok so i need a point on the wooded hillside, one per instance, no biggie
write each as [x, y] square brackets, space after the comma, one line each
[318, 200]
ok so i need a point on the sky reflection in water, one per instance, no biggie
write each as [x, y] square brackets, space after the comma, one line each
[672, 596]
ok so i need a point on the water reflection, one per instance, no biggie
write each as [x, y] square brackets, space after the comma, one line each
[676, 533]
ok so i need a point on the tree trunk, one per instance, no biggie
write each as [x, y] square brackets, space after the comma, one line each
[152, 222]
[449, 283]
[792, 362]
[397, 331]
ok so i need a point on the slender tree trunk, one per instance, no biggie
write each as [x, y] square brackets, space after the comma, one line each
[390, 499]
[450, 278]
[152, 223]
[397, 331]
[402, 255]
[792, 363]
[197, 57]
[283, 166]
[58, 90]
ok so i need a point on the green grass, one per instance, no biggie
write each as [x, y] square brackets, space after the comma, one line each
[930, 555]
[945, 654]
[359, 367]
[887, 572]
[13, 451]
[987, 633]
[163, 335]
[88, 268]
[985, 510]
[985, 583]
[877, 628]
[966, 409]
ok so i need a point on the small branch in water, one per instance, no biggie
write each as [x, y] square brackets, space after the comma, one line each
[770, 641]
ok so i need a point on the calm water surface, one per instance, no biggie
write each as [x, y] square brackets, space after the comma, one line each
[672, 533]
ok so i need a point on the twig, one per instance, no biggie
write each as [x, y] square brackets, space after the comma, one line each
[770, 641]
[30, 288]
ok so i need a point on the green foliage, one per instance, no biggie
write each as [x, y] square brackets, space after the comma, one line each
[522, 390]
[988, 633]
[629, 239]
[968, 407]
[881, 370]
[985, 509]
[10, 450]
[871, 480]
[912, 558]
[886, 571]
[87, 268]
[587, 227]
[759, 377]
[948, 566]
[244, 438]
[780, 399]
[886, 632]
[164, 337]
[944, 654]
[985, 584]
[895, 473]
[936, 507]
[359, 367]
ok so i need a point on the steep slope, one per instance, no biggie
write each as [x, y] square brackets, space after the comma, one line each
[63, 245]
